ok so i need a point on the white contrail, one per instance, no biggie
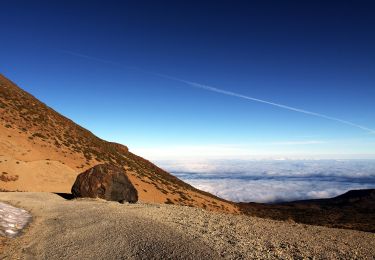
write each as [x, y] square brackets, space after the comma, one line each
[229, 93]
[225, 92]
[88, 57]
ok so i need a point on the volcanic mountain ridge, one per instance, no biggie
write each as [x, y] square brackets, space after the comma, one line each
[41, 150]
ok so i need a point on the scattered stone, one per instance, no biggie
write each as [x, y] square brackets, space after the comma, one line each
[107, 182]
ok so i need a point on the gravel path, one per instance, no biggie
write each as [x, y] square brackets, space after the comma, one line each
[96, 229]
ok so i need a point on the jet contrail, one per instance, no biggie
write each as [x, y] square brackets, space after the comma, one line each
[88, 57]
[228, 93]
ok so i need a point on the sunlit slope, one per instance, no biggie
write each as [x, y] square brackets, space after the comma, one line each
[41, 150]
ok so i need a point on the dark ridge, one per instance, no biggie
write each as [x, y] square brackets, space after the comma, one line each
[354, 209]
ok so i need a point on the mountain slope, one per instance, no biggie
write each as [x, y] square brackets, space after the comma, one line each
[41, 150]
[354, 209]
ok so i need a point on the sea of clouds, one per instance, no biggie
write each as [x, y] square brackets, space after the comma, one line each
[274, 180]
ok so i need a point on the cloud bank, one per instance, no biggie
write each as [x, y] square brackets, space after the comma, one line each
[275, 181]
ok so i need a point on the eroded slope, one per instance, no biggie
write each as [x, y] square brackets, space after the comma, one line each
[41, 150]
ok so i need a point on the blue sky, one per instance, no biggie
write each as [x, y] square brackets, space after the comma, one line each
[96, 62]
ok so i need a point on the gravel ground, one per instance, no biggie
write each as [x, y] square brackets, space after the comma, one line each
[96, 229]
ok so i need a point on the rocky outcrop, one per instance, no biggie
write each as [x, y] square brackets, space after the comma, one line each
[107, 182]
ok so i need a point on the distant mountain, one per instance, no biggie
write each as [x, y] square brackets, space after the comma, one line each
[354, 209]
[41, 150]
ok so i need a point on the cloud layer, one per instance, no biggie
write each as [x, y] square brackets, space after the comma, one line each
[275, 181]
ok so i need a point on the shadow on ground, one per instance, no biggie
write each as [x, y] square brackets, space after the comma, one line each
[67, 196]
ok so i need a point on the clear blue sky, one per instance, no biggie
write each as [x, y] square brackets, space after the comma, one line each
[319, 56]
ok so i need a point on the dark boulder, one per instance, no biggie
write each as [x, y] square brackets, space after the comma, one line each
[107, 182]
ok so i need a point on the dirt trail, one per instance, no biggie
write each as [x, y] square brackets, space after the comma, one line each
[96, 229]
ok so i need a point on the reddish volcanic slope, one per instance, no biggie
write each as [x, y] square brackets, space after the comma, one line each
[41, 150]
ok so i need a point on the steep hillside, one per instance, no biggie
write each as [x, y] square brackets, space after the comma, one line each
[354, 209]
[41, 150]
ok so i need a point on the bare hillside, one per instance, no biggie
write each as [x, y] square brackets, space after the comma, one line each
[41, 150]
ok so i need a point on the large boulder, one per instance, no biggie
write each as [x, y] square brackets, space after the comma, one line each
[107, 182]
